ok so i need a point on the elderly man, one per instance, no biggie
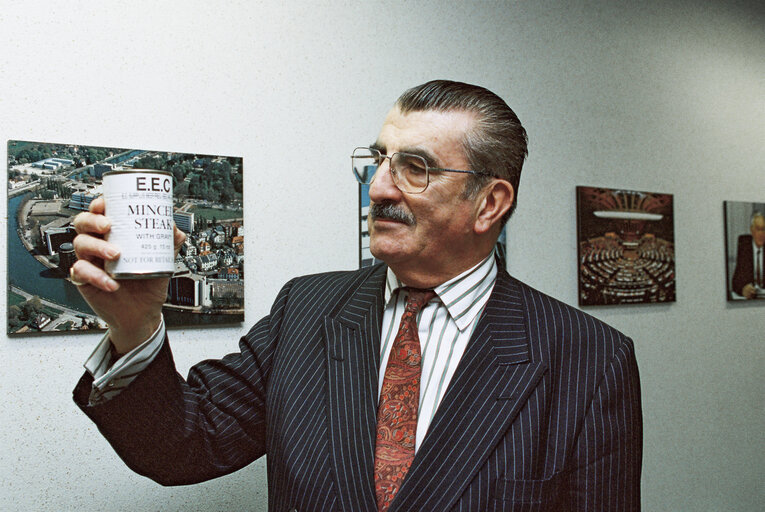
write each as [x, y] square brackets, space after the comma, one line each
[432, 382]
[749, 275]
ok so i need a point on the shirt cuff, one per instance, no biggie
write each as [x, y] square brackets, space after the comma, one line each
[110, 376]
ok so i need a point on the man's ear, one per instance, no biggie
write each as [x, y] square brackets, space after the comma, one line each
[496, 200]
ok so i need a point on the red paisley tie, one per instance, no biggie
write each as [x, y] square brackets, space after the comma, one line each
[399, 402]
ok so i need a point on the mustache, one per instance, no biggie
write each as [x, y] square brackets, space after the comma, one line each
[389, 211]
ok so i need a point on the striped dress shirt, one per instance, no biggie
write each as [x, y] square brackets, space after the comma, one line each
[444, 325]
[110, 376]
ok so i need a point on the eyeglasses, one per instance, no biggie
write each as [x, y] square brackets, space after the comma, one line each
[410, 173]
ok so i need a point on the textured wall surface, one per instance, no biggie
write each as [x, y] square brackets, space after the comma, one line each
[665, 98]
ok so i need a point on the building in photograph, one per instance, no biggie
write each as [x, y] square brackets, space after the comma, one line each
[52, 164]
[40, 321]
[188, 249]
[81, 200]
[184, 221]
[226, 257]
[66, 257]
[226, 294]
[62, 161]
[186, 290]
[14, 183]
[56, 233]
[207, 262]
[229, 274]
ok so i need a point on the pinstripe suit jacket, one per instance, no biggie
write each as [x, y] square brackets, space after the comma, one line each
[543, 412]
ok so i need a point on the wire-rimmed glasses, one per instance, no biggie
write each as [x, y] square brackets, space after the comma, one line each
[410, 173]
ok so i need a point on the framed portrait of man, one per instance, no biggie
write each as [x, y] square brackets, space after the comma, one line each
[745, 250]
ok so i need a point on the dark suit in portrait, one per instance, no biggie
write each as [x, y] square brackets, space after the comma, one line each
[543, 412]
[744, 272]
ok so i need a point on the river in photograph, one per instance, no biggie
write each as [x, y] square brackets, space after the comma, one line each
[25, 272]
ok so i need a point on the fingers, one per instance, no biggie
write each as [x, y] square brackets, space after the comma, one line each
[84, 272]
[73, 278]
[87, 222]
[178, 238]
[97, 205]
[88, 247]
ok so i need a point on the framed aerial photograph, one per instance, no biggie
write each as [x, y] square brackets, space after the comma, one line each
[744, 250]
[626, 245]
[49, 184]
[365, 256]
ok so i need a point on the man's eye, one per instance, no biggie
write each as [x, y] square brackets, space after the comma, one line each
[415, 167]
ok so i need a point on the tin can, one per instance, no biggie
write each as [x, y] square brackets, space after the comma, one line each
[139, 204]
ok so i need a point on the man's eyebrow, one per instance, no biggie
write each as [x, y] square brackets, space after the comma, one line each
[429, 157]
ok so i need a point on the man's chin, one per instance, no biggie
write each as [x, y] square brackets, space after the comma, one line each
[384, 248]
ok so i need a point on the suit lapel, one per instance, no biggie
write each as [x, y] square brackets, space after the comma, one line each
[490, 386]
[352, 337]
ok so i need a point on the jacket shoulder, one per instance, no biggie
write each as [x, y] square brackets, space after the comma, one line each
[557, 330]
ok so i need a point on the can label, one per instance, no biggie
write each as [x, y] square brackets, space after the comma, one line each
[139, 204]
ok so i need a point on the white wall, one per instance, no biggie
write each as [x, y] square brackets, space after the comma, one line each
[667, 97]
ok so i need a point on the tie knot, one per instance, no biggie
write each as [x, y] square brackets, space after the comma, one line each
[417, 298]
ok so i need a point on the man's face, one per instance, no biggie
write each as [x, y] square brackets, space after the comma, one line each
[758, 231]
[430, 231]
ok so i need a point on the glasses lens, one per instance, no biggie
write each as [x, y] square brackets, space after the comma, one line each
[364, 162]
[411, 171]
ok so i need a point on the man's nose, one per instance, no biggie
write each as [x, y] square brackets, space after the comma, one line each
[383, 187]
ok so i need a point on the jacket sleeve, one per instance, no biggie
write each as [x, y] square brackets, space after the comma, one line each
[608, 451]
[178, 431]
[744, 272]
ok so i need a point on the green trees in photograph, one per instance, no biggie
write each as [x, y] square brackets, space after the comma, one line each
[198, 177]
[24, 313]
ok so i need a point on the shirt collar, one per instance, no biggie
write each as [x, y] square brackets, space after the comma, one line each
[463, 296]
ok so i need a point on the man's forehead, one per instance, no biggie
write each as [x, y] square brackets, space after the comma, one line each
[438, 132]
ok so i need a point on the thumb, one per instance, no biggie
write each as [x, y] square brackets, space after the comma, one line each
[178, 238]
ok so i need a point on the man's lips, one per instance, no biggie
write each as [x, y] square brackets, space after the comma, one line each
[389, 221]
[386, 226]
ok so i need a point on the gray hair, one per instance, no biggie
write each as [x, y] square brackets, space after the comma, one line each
[755, 216]
[497, 145]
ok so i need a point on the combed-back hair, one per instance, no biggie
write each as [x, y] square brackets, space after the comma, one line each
[497, 144]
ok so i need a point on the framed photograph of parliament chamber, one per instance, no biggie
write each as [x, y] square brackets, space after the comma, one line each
[744, 250]
[49, 184]
[626, 247]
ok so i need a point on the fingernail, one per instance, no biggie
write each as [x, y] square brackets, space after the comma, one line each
[103, 224]
[111, 254]
[111, 284]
